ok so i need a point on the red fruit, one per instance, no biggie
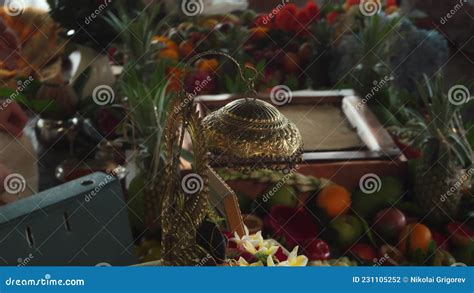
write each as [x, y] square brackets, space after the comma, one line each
[441, 241]
[364, 252]
[316, 249]
[391, 3]
[312, 9]
[332, 17]
[286, 18]
[388, 223]
[308, 15]
[461, 233]
[295, 225]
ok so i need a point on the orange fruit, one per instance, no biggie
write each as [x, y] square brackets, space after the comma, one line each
[169, 54]
[414, 236]
[334, 200]
[207, 65]
[168, 44]
[186, 48]
[175, 75]
[259, 32]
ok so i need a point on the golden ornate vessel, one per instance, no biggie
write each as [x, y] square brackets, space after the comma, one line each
[247, 131]
[252, 132]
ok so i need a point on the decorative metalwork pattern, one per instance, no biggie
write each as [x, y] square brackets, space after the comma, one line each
[252, 131]
[247, 130]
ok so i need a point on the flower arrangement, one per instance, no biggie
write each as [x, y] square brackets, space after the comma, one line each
[256, 251]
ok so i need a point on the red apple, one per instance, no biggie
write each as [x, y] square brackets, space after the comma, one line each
[364, 252]
[316, 249]
[388, 223]
[461, 233]
[295, 225]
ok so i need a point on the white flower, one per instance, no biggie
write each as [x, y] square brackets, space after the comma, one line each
[243, 263]
[262, 248]
[295, 260]
[255, 239]
[270, 262]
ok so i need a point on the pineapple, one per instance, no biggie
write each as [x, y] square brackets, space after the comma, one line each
[447, 155]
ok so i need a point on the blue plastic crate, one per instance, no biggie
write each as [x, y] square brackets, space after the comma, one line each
[82, 222]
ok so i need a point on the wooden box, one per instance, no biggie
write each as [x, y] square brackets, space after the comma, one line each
[370, 148]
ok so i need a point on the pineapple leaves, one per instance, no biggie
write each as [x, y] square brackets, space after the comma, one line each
[462, 151]
[441, 134]
[144, 81]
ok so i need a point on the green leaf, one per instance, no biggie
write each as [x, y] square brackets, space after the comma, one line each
[367, 231]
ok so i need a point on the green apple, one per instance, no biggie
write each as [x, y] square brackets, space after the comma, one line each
[368, 204]
[347, 228]
[281, 195]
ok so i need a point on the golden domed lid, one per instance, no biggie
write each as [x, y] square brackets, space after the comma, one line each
[250, 132]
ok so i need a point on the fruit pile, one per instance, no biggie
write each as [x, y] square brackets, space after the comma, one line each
[288, 45]
[378, 227]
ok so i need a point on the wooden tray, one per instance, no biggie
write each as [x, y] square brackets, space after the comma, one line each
[377, 154]
[377, 142]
